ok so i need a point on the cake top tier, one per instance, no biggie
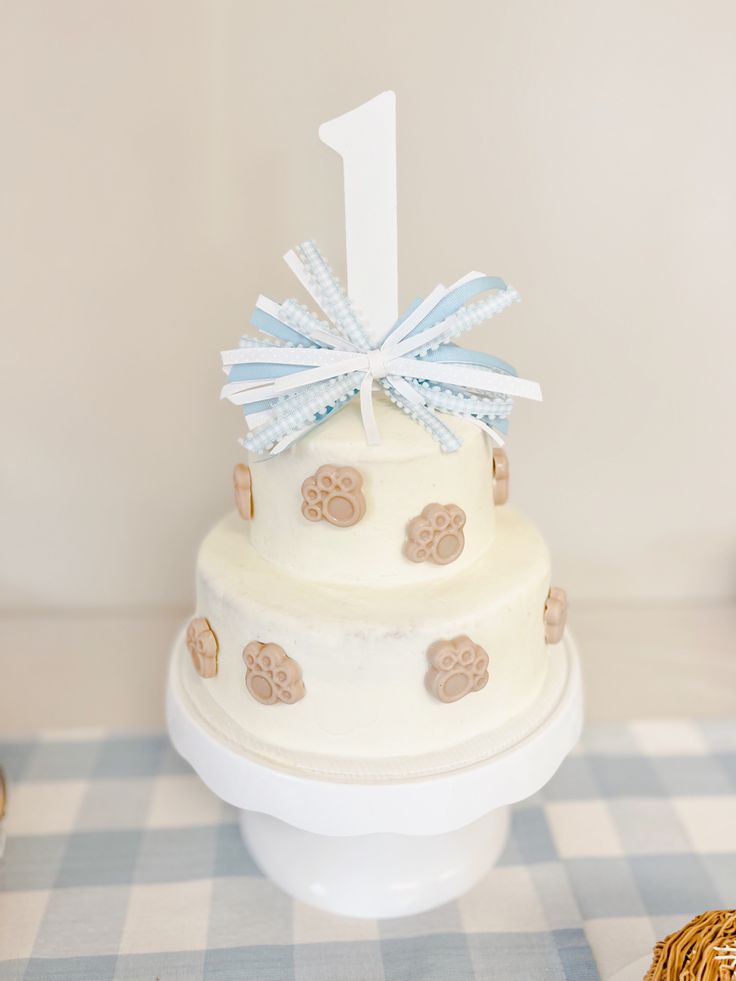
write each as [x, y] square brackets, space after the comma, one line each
[334, 509]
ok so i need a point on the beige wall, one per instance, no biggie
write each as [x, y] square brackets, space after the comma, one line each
[159, 157]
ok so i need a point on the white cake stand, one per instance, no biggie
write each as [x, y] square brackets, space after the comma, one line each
[381, 849]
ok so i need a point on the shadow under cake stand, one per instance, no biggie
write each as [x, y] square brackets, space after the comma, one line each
[383, 847]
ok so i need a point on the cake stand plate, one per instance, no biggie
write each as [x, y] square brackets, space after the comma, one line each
[384, 848]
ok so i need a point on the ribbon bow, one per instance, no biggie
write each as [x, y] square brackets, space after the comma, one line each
[307, 369]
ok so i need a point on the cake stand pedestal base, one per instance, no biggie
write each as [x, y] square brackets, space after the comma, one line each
[375, 876]
[385, 848]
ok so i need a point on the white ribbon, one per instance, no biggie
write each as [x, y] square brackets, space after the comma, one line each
[321, 364]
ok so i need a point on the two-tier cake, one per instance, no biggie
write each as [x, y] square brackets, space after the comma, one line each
[373, 608]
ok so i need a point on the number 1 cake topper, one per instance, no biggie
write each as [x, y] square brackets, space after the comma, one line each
[365, 138]
[305, 369]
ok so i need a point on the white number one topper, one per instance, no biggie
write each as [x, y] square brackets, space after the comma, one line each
[365, 138]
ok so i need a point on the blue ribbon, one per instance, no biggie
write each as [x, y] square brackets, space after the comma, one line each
[457, 298]
[270, 325]
[453, 354]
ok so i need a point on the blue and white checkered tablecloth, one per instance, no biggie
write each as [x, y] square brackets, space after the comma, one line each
[120, 865]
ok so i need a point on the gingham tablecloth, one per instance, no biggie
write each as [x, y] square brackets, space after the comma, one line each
[120, 865]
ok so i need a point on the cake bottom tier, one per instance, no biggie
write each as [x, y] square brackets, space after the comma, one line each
[366, 703]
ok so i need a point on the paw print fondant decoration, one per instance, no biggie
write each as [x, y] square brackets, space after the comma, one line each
[500, 476]
[555, 615]
[334, 494]
[436, 535]
[271, 676]
[202, 644]
[243, 487]
[457, 667]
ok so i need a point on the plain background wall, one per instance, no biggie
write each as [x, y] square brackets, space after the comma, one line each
[157, 159]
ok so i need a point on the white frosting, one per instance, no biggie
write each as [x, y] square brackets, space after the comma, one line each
[223, 729]
[401, 475]
[363, 651]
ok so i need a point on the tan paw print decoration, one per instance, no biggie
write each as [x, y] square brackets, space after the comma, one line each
[243, 488]
[555, 615]
[334, 494]
[436, 535]
[202, 644]
[500, 476]
[457, 667]
[271, 676]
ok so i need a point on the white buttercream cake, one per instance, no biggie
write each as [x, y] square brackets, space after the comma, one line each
[372, 609]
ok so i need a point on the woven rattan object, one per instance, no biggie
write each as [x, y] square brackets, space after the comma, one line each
[703, 950]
